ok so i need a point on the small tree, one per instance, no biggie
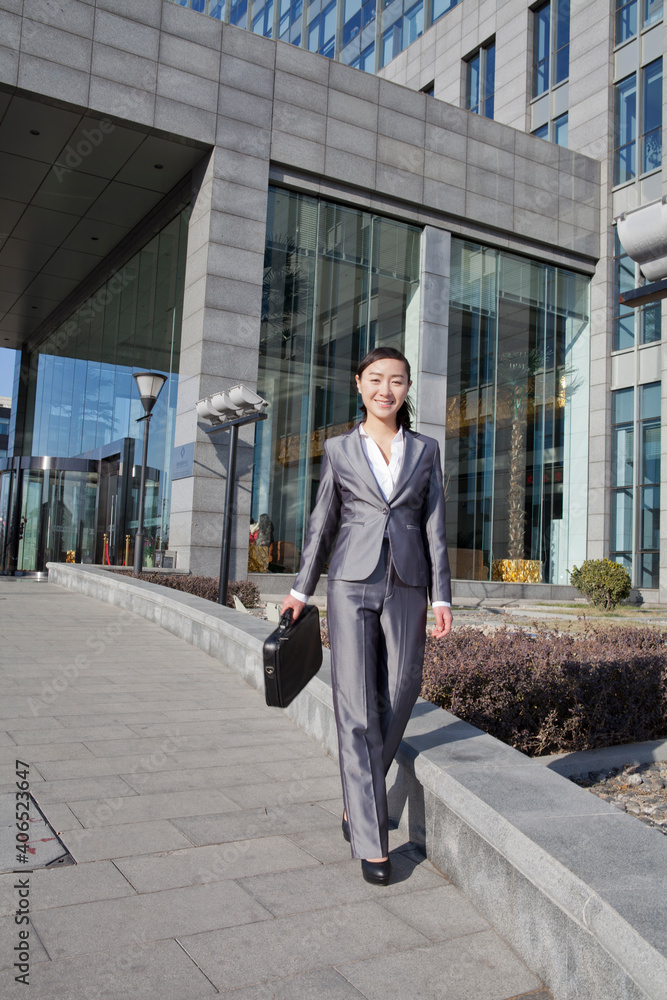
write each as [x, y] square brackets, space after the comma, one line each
[602, 582]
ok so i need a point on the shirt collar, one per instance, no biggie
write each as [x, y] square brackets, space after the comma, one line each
[396, 440]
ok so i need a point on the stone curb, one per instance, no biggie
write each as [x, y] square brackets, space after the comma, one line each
[583, 761]
[575, 887]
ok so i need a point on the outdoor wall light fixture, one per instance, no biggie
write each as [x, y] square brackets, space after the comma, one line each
[149, 385]
[230, 410]
[643, 235]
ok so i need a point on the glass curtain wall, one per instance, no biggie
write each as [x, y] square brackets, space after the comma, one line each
[635, 482]
[351, 31]
[517, 417]
[82, 399]
[337, 283]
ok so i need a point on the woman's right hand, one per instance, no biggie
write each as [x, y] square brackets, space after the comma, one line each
[296, 606]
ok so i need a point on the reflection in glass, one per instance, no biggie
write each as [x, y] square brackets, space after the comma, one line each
[541, 49]
[440, 7]
[517, 446]
[337, 282]
[652, 117]
[622, 456]
[80, 391]
[57, 518]
[652, 11]
[624, 281]
[625, 129]
[322, 31]
[621, 523]
[562, 44]
[560, 130]
[480, 81]
[651, 321]
[239, 13]
[626, 20]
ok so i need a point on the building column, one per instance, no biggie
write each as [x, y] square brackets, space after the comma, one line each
[219, 349]
[431, 376]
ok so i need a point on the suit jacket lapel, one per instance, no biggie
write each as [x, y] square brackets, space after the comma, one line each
[413, 450]
[353, 450]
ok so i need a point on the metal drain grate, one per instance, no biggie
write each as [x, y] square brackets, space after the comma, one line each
[44, 848]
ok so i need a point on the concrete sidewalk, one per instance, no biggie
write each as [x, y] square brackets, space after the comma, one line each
[205, 828]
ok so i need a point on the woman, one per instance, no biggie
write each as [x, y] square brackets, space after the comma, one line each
[381, 490]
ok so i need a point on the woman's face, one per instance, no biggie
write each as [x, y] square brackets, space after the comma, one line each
[383, 387]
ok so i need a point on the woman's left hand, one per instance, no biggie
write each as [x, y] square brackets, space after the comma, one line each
[443, 622]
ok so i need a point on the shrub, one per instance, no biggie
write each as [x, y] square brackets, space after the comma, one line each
[207, 587]
[553, 693]
[602, 582]
[246, 591]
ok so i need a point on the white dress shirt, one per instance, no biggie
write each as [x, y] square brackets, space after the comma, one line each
[385, 474]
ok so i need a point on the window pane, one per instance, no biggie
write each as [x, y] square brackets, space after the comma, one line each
[440, 7]
[489, 78]
[542, 132]
[367, 59]
[652, 11]
[541, 42]
[621, 521]
[624, 559]
[650, 401]
[650, 570]
[625, 128]
[414, 24]
[314, 35]
[649, 534]
[472, 83]
[560, 131]
[652, 145]
[391, 43]
[622, 456]
[651, 324]
[238, 13]
[562, 42]
[626, 20]
[651, 454]
[622, 406]
[624, 331]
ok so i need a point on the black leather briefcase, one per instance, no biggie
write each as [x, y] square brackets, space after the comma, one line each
[292, 655]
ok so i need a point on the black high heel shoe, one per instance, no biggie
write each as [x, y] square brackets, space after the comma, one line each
[345, 826]
[376, 872]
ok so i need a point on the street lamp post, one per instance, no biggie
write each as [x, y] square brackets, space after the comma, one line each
[149, 385]
[229, 411]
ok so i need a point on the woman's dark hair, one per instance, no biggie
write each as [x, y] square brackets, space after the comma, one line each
[406, 412]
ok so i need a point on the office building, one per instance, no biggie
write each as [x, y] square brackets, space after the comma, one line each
[184, 195]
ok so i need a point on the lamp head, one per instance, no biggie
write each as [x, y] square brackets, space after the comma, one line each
[238, 401]
[149, 385]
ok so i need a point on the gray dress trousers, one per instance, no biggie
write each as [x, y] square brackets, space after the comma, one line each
[377, 629]
[388, 555]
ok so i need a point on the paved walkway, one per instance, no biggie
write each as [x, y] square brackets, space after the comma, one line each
[205, 828]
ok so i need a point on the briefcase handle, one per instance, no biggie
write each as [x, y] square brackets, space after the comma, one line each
[286, 619]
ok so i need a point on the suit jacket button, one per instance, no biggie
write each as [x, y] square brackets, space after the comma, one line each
[385, 510]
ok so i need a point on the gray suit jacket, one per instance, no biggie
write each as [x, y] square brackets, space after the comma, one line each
[413, 516]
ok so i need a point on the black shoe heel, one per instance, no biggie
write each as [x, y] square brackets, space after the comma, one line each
[376, 872]
[345, 826]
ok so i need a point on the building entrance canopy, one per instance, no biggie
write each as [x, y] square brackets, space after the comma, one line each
[73, 187]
